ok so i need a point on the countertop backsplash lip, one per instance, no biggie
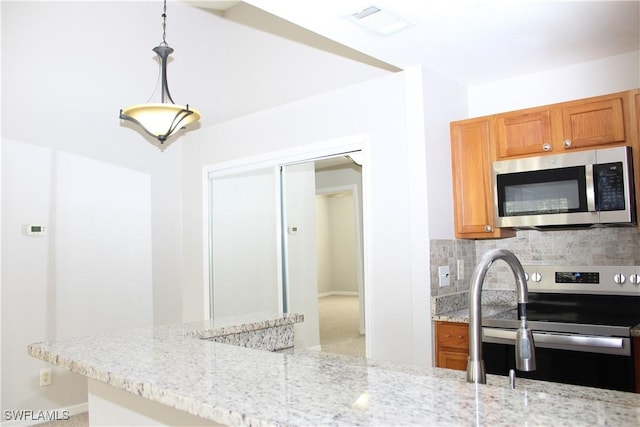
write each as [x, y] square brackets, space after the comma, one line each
[455, 307]
[451, 303]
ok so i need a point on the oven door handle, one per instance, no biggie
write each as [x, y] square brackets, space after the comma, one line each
[591, 341]
[569, 342]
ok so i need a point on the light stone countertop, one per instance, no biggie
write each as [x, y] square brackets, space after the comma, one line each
[462, 315]
[243, 386]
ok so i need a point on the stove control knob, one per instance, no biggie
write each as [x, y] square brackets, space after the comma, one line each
[635, 279]
[536, 277]
[619, 278]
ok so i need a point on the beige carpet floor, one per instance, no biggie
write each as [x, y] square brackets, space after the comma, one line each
[340, 325]
[80, 420]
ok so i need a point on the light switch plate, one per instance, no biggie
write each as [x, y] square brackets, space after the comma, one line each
[443, 276]
[460, 269]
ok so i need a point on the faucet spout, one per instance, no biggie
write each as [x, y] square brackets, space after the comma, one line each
[525, 350]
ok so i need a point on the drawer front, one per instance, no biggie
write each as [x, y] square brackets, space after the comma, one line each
[453, 335]
[453, 360]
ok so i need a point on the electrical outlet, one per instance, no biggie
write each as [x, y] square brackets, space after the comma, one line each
[45, 376]
[460, 269]
[443, 275]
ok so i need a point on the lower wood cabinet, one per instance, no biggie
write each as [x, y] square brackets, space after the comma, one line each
[452, 345]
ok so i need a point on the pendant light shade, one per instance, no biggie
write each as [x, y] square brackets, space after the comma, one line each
[163, 119]
[160, 120]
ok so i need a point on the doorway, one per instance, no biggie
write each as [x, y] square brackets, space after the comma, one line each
[340, 268]
[279, 213]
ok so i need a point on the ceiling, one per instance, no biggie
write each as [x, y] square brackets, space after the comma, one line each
[471, 41]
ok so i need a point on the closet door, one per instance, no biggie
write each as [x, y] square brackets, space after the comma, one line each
[245, 272]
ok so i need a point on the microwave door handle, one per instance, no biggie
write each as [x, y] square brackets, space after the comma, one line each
[590, 188]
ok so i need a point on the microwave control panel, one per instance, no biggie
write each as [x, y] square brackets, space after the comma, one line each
[609, 183]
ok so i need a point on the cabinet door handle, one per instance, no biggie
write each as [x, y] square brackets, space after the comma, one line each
[546, 146]
[567, 143]
[488, 228]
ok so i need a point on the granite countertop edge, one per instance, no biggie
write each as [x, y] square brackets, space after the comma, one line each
[243, 386]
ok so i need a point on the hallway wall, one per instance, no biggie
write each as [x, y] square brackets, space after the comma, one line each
[337, 262]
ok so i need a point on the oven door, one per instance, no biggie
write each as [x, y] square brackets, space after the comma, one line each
[593, 361]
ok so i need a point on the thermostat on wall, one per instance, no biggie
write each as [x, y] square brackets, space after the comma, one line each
[36, 230]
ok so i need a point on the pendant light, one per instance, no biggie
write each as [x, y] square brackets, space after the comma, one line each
[161, 120]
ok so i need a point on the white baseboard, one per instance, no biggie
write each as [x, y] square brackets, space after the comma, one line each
[344, 293]
[78, 409]
[71, 410]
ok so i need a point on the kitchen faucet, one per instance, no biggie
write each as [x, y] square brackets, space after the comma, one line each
[525, 352]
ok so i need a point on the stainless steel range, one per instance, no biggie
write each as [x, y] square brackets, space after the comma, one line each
[581, 317]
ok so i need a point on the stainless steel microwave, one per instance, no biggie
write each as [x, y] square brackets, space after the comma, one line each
[581, 188]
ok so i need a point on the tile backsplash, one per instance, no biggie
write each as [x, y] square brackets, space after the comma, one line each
[597, 246]
[448, 252]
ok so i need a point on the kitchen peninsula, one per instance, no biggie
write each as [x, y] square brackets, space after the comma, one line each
[183, 369]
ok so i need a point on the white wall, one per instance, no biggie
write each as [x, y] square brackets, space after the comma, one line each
[301, 256]
[397, 240]
[112, 257]
[337, 228]
[91, 272]
[328, 180]
[271, 57]
[1, 149]
[608, 75]
[444, 101]
[323, 244]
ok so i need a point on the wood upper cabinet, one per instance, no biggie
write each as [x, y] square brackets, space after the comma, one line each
[586, 123]
[471, 147]
[593, 124]
[452, 345]
[527, 132]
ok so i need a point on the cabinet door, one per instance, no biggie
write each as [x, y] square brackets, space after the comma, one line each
[524, 133]
[635, 118]
[472, 183]
[452, 345]
[593, 124]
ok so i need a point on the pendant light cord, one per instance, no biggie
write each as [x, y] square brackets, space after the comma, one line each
[164, 24]
[163, 43]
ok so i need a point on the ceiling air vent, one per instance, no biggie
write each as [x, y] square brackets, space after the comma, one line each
[367, 12]
[380, 21]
